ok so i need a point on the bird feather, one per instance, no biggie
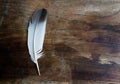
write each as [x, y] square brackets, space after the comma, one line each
[36, 35]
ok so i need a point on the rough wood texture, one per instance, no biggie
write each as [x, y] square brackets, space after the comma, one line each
[82, 44]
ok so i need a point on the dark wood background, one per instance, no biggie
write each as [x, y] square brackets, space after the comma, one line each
[82, 43]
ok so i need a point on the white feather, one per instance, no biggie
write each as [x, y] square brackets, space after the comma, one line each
[36, 35]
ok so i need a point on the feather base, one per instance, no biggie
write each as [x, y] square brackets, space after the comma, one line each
[37, 65]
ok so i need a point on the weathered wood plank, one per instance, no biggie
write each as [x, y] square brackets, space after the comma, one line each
[82, 43]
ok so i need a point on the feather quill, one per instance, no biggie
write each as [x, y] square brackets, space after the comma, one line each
[36, 34]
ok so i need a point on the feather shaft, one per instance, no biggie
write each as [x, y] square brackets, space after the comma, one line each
[37, 68]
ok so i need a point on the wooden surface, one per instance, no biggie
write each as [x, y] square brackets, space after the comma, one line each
[82, 43]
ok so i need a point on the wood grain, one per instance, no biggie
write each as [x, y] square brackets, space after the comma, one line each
[82, 44]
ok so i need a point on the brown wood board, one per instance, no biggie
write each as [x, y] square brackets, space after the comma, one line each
[82, 44]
